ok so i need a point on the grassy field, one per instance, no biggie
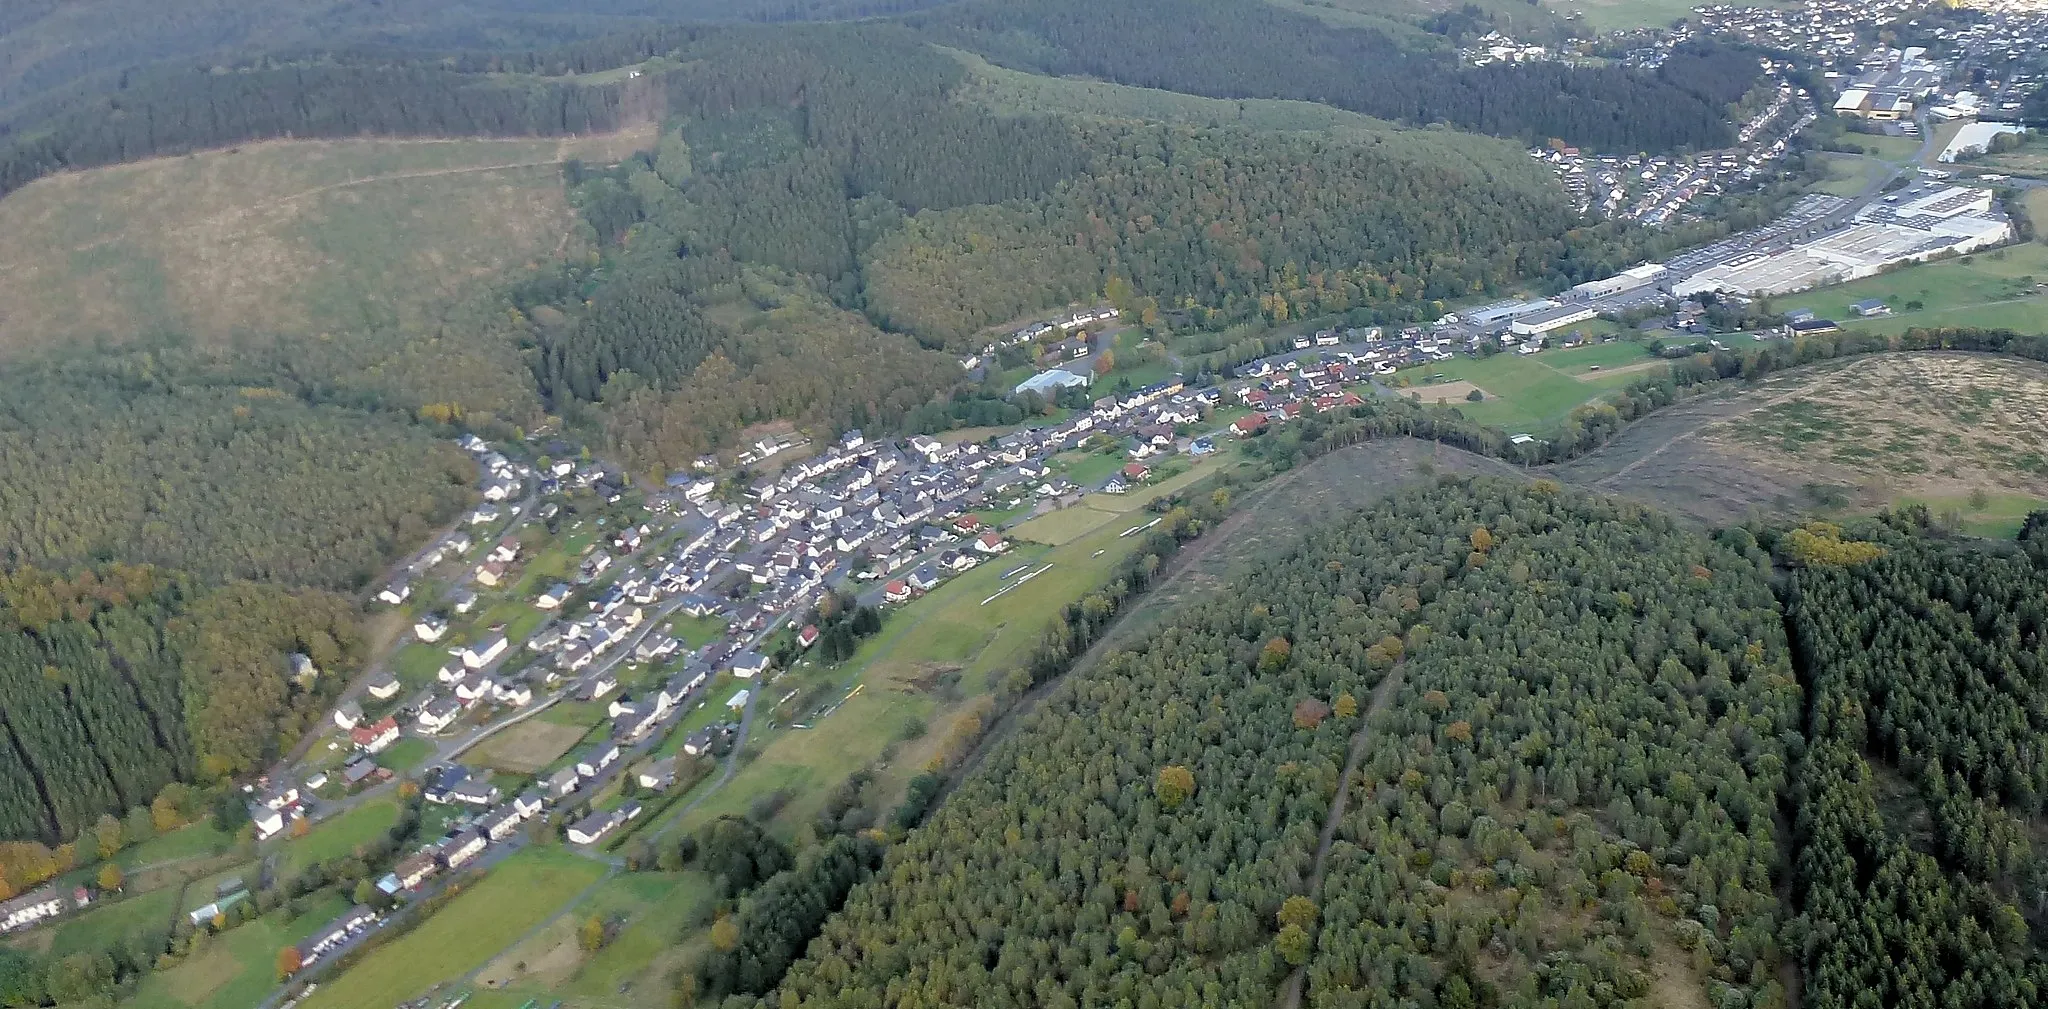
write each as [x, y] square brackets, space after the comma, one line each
[1526, 393]
[405, 754]
[369, 247]
[2000, 517]
[2030, 159]
[2000, 288]
[1842, 437]
[1848, 176]
[235, 969]
[647, 911]
[341, 835]
[696, 631]
[527, 747]
[516, 895]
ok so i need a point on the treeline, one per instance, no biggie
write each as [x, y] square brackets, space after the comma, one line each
[1232, 49]
[176, 111]
[1919, 875]
[1588, 729]
[117, 681]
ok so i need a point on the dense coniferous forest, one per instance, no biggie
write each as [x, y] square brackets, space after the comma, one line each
[1921, 790]
[120, 679]
[1588, 719]
[1229, 49]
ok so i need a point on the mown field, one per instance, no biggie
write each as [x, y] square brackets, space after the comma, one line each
[2003, 288]
[369, 252]
[1529, 393]
[516, 895]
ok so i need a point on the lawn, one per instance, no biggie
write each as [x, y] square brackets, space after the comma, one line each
[696, 631]
[235, 969]
[341, 835]
[512, 898]
[417, 662]
[106, 924]
[405, 754]
[1993, 289]
[193, 841]
[1088, 469]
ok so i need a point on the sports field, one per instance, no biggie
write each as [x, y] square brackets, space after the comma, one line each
[1530, 392]
[517, 894]
[1999, 288]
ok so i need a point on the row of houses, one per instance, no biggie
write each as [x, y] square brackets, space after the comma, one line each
[498, 824]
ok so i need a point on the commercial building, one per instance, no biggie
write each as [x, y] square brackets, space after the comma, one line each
[1940, 219]
[1539, 323]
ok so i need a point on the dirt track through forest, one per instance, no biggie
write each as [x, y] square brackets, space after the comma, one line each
[1382, 695]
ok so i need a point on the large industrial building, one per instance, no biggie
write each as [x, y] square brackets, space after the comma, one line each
[1633, 278]
[1940, 219]
[1538, 323]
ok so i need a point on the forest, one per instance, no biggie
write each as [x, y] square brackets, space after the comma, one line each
[1231, 49]
[119, 679]
[1920, 794]
[1589, 706]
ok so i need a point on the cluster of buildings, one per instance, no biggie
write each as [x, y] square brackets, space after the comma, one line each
[40, 905]
[1656, 189]
[498, 823]
[1911, 225]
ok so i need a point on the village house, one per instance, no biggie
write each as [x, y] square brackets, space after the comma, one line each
[348, 715]
[484, 652]
[460, 849]
[377, 735]
[430, 628]
[384, 686]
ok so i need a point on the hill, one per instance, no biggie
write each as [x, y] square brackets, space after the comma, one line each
[371, 260]
[1532, 782]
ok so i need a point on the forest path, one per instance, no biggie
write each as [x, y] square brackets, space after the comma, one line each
[1382, 695]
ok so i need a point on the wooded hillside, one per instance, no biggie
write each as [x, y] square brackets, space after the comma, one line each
[1919, 864]
[1575, 776]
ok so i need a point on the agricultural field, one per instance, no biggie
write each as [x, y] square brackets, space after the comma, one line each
[527, 747]
[2002, 288]
[235, 969]
[515, 896]
[1844, 436]
[356, 250]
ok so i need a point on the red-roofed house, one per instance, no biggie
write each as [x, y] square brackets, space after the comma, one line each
[968, 524]
[990, 543]
[808, 636]
[1245, 427]
[895, 592]
[1137, 471]
[375, 736]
